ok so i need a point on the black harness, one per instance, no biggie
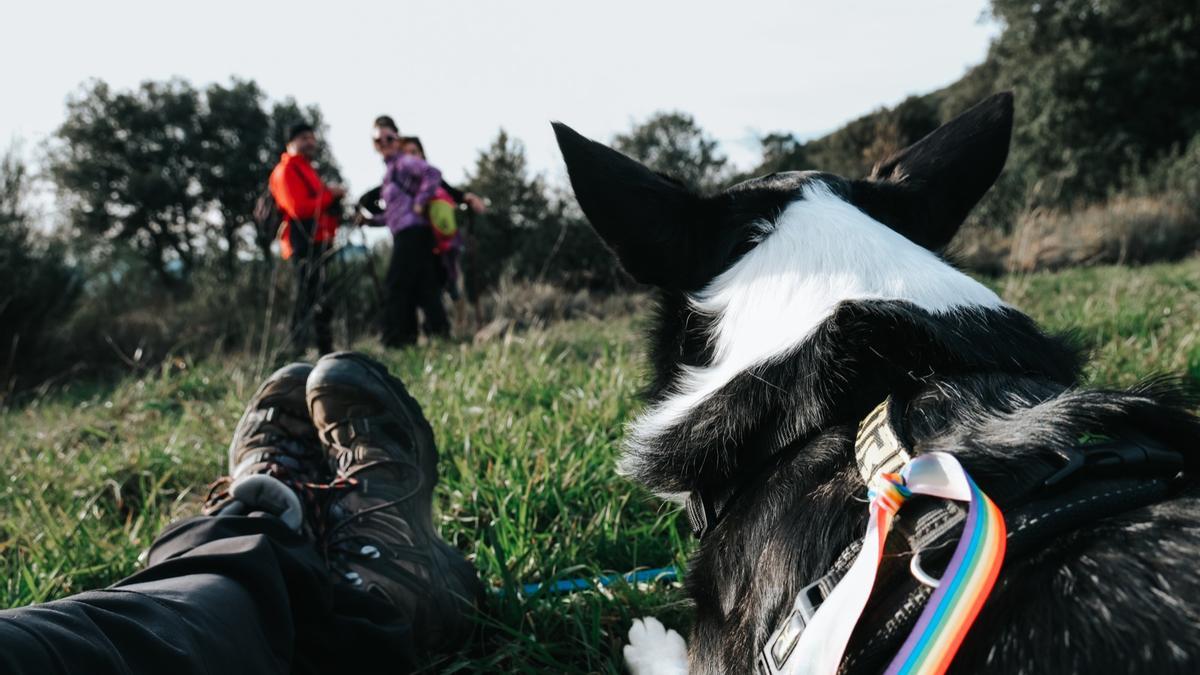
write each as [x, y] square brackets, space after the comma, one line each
[1063, 491]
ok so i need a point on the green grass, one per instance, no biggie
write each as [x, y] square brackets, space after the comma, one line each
[528, 428]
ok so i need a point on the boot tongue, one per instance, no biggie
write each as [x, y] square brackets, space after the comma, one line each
[388, 479]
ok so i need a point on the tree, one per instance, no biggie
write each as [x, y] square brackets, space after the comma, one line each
[154, 168]
[673, 144]
[38, 286]
[518, 207]
[1105, 88]
[235, 157]
[126, 165]
[531, 232]
[781, 151]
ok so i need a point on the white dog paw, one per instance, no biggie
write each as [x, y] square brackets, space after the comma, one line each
[654, 650]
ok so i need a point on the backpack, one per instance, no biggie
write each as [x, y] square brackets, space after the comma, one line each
[267, 216]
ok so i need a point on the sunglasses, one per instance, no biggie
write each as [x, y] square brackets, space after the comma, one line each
[386, 139]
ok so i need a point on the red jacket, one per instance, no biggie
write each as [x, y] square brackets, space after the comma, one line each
[301, 195]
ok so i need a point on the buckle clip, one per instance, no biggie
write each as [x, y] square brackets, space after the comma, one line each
[1073, 461]
[1116, 455]
[809, 599]
[783, 641]
[1135, 452]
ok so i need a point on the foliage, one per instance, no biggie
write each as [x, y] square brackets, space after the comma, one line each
[126, 167]
[531, 232]
[528, 429]
[155, 168]
[234, 157]
[673, 144]
[1102, 85]
[1105, 90]
[38, 287]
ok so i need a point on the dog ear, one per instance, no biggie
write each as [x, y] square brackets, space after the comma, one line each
[654, 224]
[926, 190]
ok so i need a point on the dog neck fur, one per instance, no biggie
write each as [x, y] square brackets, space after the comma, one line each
[820, 252]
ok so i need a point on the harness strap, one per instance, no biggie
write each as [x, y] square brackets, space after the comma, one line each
[891, 615]
[1081, 485]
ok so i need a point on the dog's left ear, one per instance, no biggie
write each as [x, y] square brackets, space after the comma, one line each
[926, 190]
[660, 231]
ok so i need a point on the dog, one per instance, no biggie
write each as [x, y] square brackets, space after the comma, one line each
[794, 304]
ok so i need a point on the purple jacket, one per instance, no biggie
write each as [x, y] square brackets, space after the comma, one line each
[409, 182]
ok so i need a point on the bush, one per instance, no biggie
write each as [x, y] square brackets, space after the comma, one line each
[36, 285]
[39, 290]
[1122, 230]
[1156, 218]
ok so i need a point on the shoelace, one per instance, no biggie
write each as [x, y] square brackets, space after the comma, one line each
[361, 546]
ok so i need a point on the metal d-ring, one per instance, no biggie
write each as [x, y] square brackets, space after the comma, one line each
[919, 573]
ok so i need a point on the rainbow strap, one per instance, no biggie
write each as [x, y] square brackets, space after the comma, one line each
[960, 593]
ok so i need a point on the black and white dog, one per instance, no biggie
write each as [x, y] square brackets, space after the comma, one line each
[791, 306]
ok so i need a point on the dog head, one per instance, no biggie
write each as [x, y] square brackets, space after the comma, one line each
[750, 273]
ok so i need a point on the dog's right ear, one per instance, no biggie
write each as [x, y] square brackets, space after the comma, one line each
[654, 224]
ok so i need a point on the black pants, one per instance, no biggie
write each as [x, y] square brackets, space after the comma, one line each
[412, 281]
[223, 595]
[314, 306]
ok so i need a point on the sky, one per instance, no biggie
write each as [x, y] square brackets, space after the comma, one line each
[456, 71]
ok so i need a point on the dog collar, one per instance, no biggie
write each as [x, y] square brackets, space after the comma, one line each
[878, 447]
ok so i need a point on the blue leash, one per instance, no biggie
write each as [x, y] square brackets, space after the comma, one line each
[582, 584]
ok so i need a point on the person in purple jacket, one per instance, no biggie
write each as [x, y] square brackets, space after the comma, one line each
[412, 278]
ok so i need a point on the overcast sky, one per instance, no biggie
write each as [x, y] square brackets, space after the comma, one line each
[455, 71]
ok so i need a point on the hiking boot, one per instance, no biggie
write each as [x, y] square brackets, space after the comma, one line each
[379, 529]
[274, 456]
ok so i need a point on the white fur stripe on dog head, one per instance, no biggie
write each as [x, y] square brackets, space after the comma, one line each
[822, 251]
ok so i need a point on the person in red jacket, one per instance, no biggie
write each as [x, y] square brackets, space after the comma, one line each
[310, 209]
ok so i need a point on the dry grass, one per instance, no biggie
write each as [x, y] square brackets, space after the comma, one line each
[1123, 230]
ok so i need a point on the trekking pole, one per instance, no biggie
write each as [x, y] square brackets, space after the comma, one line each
[371, 267]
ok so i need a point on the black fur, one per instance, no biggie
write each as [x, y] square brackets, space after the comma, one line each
[1117, 595]
[664, 234]
[865, 351]
[926, 190]
[789, 524]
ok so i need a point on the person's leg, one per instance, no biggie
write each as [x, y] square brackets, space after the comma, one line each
[243, 590]
[402, 288]
[428, 291]
[323, 300]
[390, 309]
[302, 249]
[222, 606]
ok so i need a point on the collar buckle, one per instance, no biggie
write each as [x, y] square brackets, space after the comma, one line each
[701, 513]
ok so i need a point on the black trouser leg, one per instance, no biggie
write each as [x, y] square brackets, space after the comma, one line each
[321, 297]
[224, 595]
[412, 281]
[314, 307]
[400, 311]
[428, 283]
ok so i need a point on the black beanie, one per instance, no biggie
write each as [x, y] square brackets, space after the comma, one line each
[297, 129]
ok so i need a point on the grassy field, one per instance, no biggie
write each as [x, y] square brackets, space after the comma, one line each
[528, 428]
